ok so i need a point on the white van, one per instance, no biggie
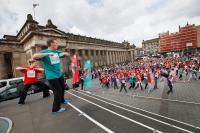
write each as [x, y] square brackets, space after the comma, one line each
[4, 83]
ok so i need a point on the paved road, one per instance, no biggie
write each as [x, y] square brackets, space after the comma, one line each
[35, 116]
[144, 119]
[103, 110]
[180, 105]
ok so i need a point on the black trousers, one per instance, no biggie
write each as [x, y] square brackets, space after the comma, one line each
[82, 83]
[58, 87]
[123, 86]
[146, 85]
[132, 85]
[180, 76]
[170, 89]
[39, 84]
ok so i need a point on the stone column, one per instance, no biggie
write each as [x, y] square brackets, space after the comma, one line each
[115, 54]
[89, 55]
[110, 55]
[80, 58]
[126, 56]
[104, 58]
[68, 62]
[123, 56]
[118, 57]
[107, 58]
[99, 59]
[95, 58]
[113, 57]
[131, 53]
[83, 56]
[92, 56]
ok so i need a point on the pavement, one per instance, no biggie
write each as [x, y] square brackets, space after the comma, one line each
[107, 110]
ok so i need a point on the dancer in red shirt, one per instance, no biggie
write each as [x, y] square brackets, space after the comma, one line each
[30, 78]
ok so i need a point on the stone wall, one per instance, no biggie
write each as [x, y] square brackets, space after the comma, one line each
[18, 59]
[2, 67]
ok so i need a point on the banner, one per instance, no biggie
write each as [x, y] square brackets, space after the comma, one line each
[88, 76]
[75, 74]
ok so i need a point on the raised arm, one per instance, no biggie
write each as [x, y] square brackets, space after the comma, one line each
[40, 69]
[21, 68]
[41, 55]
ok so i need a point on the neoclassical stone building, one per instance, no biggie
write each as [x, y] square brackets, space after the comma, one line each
[151, 47]
[32, 37]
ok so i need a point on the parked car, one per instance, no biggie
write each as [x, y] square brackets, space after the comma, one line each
[10, 92]
[4, 83]
[15, 90]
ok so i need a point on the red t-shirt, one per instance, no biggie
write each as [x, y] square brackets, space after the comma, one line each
[30, 75]
[180, 64]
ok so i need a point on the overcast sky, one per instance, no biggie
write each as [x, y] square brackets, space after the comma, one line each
[115, 20]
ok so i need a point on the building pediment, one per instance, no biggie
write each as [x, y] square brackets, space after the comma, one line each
[52, 31]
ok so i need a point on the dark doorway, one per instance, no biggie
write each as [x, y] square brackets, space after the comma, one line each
[8, 64]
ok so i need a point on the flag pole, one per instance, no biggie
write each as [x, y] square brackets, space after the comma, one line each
[34, 12]
[34, 5]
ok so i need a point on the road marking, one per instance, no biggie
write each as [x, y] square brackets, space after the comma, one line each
[141, 124]
[168, 124]
[154, 98]
[136, 95]
[9, 123]
[146, 111]
[91, 119]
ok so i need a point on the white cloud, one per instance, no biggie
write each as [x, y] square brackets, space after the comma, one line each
[116, 20]
[75, 30]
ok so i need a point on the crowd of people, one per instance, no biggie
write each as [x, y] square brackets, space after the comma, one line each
[147, 73]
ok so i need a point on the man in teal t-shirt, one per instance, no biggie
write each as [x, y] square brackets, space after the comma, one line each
[50, 59]
[51, 64]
